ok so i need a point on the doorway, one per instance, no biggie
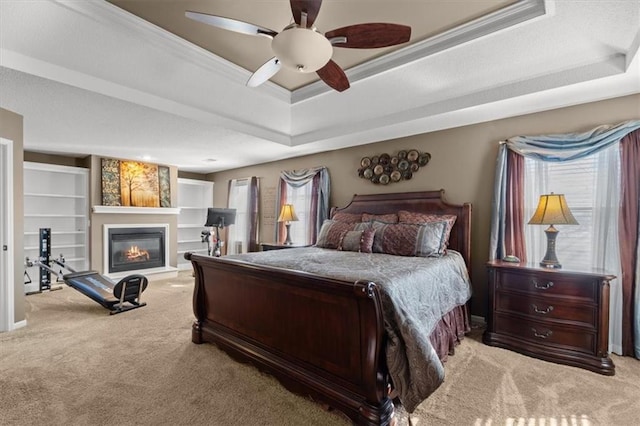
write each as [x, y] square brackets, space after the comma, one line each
[7, 284]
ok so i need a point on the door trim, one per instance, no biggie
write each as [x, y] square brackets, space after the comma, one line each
[7, 281]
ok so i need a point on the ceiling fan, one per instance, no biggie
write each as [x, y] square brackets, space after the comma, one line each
[300, 46]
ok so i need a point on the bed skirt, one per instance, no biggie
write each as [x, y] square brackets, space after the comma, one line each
[449, 331]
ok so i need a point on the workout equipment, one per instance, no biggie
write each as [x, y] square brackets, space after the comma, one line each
[116, 297]
[44, 257]
[109, 294]
[219, 218]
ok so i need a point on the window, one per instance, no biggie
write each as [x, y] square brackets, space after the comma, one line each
[590, 186]
[301, 200]
[239, 200]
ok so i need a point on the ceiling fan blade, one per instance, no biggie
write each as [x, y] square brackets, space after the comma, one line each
[334, 76]
[369, 36]
[310, 7]
[265, 72]
[230, 24]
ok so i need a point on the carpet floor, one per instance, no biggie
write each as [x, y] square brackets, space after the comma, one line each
[74, 364]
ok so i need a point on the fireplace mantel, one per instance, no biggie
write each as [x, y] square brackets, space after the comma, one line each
[136, 210]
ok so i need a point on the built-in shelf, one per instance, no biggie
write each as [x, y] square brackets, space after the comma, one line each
[135, 210]
[56, 197]
[194, 198]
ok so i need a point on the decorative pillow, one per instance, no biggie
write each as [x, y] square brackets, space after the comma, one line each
[360, 241]
[389, 218]
[347, 217]
[409, 239]
[415, 217]
[329, 235]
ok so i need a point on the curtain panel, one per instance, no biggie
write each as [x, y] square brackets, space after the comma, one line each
[546, 148]
[629, 229]
[565, 147]
[319, 202]
[243, 195]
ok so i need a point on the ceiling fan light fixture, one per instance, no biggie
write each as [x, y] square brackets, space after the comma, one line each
[302, 49]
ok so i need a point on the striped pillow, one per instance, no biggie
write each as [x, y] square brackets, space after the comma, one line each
[420, 218]
[408, 239]
[330, 233]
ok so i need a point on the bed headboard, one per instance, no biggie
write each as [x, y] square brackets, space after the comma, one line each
[423, 202]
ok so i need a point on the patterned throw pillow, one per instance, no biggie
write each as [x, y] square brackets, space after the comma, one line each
[389, 218]
[360, 241]
[329, 236]
[409, 239]
[415, 217]
[347, 217]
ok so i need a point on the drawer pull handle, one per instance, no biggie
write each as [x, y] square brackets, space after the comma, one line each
[541, 311]
[548, 333]
[544, 286]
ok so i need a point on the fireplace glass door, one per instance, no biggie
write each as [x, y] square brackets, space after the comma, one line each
[136, 248]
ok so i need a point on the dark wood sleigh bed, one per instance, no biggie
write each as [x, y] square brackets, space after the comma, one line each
[320, 337]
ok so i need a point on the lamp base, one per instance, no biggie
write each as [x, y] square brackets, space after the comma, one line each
[550, 265]
[550, 260]
[287, 241]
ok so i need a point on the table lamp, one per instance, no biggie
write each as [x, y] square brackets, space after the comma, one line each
[552, 210]
[287, 215]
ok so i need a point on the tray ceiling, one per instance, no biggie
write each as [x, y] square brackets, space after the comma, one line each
[133, 78]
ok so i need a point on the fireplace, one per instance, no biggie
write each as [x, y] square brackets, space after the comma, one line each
[135, 247]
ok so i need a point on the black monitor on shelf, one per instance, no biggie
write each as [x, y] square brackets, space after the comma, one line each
[220, 217]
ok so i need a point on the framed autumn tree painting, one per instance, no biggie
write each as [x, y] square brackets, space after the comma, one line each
[135, 184]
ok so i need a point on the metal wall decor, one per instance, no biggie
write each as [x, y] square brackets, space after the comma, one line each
[384, 168]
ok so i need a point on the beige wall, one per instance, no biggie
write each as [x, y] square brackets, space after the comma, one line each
[11, 128]
[462, 163]
[98, 220]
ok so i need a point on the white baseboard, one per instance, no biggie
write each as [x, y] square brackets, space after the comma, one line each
[19, 324]
[152, 274]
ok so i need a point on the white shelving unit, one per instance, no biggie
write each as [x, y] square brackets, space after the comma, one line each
[194, 197]
[56, 197]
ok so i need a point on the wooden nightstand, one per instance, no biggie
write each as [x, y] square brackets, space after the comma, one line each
[558, 315]
[276, 246]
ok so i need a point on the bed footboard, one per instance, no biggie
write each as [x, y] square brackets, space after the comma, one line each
[319, 337]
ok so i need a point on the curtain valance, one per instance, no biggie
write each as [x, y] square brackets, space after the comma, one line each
[570, 146]
[321, 190]
[558, 147]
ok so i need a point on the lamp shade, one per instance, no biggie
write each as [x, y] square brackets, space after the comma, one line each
[287, 214]
[553, 210]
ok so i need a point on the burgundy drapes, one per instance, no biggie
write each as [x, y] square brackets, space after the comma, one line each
[514, 220]
[253, 213]
[283, 200]
[312, 231]
[628, 233]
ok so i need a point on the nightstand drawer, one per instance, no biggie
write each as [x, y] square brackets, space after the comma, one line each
[547, 333]
[558, 315]
[541, 309]
[552, 284]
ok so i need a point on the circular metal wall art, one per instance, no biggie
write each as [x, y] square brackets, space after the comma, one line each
[384, 168]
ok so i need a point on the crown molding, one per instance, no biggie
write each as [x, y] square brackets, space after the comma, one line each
[462, 110]
[509, 16]
[109, 15]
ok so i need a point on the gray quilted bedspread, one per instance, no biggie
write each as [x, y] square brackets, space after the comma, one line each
[416, 292]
